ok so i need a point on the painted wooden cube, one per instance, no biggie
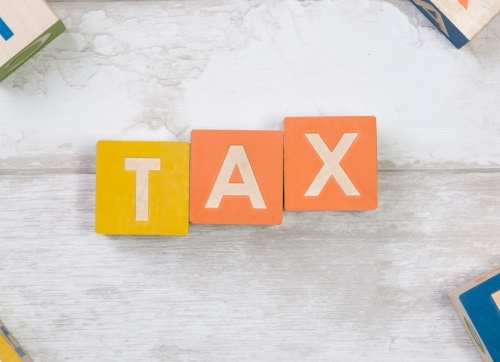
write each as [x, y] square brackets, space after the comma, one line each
[10, 350]
[478, 305]
[26, 26]
[330, 163]
[236, 177]
[459, 20]
[142, 188]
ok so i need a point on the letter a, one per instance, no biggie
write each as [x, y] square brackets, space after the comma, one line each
[331, 165]
[142, 166]
[236, 156]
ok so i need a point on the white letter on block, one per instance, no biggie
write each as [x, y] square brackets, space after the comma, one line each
[236, 156]
[434, 13]
[331, 165]
[496, 298]
[142, 166]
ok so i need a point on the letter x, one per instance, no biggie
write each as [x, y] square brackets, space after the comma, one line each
[331, 165]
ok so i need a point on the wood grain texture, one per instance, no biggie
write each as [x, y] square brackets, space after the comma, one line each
[156, 70]
[470, 17]
[323, 286]
[32, 26]
[460, 20]
[28, 20]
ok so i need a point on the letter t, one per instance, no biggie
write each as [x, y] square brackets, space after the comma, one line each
[142, 166]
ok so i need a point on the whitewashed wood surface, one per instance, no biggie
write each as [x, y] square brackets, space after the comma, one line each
[324, 286]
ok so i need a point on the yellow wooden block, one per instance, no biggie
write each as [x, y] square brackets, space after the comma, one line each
[142, 188]
[7, 354]
[10, 350]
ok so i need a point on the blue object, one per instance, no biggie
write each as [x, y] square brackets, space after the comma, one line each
[484, 314]
[5, 31]
[454, 35]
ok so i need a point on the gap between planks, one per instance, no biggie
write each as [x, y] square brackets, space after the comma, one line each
[91, 171]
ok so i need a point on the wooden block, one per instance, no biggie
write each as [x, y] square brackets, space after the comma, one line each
[236, 177]
[26, 26]
[142, 188]
[10, 349]
[459, 20]
[330, 163]
[477, 303]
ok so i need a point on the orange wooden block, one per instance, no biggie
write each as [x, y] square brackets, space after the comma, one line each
[330, 163]
[236, 177]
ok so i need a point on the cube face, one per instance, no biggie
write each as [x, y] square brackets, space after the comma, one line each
[26, 26]
[330, 163]
[459, 20]
[236, 177]
[478, 305]
[142, 188]
[10, 350]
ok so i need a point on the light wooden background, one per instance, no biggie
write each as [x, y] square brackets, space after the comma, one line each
[324, 286]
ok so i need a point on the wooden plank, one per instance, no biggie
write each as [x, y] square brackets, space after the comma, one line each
[322, 286]
[172, 66]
